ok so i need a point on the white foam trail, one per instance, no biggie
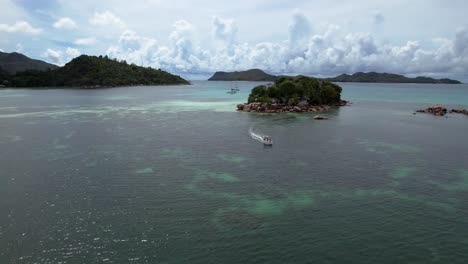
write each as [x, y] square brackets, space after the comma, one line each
[256, 136]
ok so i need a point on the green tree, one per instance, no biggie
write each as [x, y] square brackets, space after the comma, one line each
[292, 90]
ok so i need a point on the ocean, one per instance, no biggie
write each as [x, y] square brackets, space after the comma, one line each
[170, 174]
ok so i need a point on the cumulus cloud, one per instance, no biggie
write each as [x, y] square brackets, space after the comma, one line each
[106, 18]
[324, 53]
[61, 57]
[300, 29]
[20, 27]
[460, 44]
[85, 41]
[181, 55]
[19, 47]
[65, 23]
[224, 29]
[72, 53]
[53, 55]
[134, 48]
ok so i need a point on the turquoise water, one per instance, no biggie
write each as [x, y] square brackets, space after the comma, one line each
[171, 175]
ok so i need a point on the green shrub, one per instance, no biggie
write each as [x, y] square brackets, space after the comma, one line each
[294, 100]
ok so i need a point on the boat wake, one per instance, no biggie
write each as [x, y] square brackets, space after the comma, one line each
[256, 135]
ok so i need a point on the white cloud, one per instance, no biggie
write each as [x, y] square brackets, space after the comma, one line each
[19, 48]
[224, 29]
[461, 42]
[60, 57]
[106, 18]
[181, 55]
[20, 27]
[65, 23]
[53, 55]
[72, 53]
[134, 49]
[325, 54]
[300, 29]
[85, 41]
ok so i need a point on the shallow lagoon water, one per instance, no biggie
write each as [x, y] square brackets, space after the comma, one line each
[171, 175]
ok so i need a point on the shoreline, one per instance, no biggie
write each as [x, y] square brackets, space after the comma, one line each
[285, 108]
[86, 87]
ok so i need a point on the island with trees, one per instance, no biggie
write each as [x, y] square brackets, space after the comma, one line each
[253, 75]
[256, 75]
[375, 77]
[294, 94]
[91, 72]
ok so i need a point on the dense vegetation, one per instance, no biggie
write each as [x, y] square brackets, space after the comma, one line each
[15, 62]
[293, 90]
[374, 77]
[254, 75]
[92, 71]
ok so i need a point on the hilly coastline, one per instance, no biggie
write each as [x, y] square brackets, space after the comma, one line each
[253, 75]
[91, 72]
[256, 75]
[14, 62]
[375, 77]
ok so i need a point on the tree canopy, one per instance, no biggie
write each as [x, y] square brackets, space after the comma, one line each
[293, 90]
[90, 71]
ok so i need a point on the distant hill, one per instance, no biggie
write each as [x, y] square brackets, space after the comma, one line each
[92, 72]
[374, 77]
[254, 75]
[15, 62]
[370, 77]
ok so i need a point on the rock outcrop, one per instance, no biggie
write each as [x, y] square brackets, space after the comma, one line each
[435, 110]
[459, 111]
[442, 111]
[284, 108]
[319, 117]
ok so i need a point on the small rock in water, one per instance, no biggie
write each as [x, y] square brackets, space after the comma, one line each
[318, 117]
[459, 111]
[435, 110]
[442, 111]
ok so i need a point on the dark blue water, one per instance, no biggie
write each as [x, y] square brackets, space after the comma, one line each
[171, 175]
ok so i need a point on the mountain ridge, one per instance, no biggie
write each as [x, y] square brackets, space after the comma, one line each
[369, 77]
[15, 62]
[375, 77]
[92, 72]
[253, 75]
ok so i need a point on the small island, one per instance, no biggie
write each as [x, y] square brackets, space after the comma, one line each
[375, 77]
[253, 75]
[91, 72]
[294, 94]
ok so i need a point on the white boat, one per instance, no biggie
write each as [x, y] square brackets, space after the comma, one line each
[235, 89]
[267, 141]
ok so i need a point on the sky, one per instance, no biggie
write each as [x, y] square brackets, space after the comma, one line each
[198, 37]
